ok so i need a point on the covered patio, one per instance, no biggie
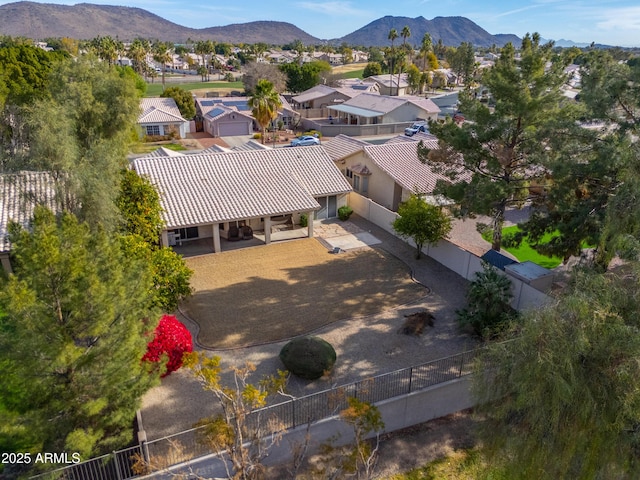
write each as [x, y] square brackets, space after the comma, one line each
[222, 201]
[205, 246]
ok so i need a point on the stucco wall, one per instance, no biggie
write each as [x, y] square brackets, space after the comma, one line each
[381, 186]
[455, 258]
[397, 413]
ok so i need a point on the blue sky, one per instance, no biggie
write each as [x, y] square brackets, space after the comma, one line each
[613, 22]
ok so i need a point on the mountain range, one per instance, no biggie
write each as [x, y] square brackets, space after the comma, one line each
[85, 21]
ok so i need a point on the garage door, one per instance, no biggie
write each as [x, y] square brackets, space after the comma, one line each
[230, 129]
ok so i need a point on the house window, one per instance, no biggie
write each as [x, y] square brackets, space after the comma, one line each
[153, 129]
[186, 233]
[356, 183]
[349, 174]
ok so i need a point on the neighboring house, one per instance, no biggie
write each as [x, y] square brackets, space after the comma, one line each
[318, 97]
[388, 84]
[331, 58]
[231, 116]
[275, 56]
[387, 174]
[442, 77]
[161, 116]
[224, 121]
[322, 96]
[206, 195]
[372, 109]
[20, 193]
[359, 56]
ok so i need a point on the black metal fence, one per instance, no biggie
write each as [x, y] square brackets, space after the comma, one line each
[190, 444]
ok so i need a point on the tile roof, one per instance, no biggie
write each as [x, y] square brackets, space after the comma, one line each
[400, 161]
[159, 110]
[386, 103]
[342, 146]
[237, 104]
[428, 138]
[375, 102]
[424, 103]
[222, 111]
[214, 149]
[318, 91]
[251, 145]
[19, 194]
[391, 80]
[209, 188]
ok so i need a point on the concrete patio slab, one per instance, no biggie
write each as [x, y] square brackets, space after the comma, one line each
[351, 241]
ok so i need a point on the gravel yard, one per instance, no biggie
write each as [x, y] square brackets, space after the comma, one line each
[274, 292]
[367, 345]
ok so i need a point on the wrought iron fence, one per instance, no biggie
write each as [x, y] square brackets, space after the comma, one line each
[190, 444]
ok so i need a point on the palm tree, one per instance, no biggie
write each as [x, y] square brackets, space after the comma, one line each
[425, 47]
[393, 34]
[204, 48]
[406, 33]
[264, 104]
[162, 53]
[298, 47]
[138, 51]
[105, 48]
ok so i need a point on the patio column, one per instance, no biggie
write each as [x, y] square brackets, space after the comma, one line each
[267, 229]
[216, 238]
[164, 239]
[310, 224]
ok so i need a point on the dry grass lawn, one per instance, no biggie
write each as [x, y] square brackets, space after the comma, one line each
[274, 292]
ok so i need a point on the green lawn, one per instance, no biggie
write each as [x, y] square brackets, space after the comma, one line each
[353, 74]
[148, 148]
[524, 252]
[155, 89]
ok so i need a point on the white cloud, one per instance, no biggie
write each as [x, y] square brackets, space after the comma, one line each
[518, 10]
[621, 18]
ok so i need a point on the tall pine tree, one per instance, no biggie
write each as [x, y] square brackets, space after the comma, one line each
[77, 313]
[501, 147]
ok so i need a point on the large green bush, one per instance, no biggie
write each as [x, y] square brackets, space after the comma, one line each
[344, 212]
[488, 309]
[308, 357]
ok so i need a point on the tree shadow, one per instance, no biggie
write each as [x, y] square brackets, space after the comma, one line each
[260, 310]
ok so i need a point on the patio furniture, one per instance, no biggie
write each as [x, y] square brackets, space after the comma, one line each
[234, 234]
[247, 232]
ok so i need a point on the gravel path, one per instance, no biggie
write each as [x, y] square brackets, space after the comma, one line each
[365, 346]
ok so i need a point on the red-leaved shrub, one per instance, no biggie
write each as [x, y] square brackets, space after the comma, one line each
[172, 338]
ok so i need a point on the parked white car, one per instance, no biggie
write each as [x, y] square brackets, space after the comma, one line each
[305, 140]
[415, 128]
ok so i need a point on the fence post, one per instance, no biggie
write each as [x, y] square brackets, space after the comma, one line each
[461, 365]
[117, 464]
[293, 412]
[410, 379]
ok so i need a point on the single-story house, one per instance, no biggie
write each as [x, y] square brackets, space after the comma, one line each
[209, 195]
[373, 109]
[387, 174]
[161, 116]
[318, 97]
[231, 116]
[20, 193]
[322, 96]
[388, 84]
